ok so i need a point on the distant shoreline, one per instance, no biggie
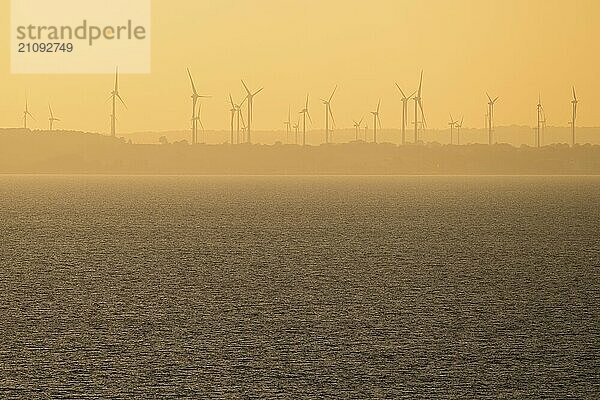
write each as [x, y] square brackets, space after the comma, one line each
[59, 153]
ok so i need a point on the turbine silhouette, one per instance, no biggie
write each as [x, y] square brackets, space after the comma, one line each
[541, 122]
[574, 103]
[250, 98]
[490, 115]
[405, 101]
[305, 113]
[296, 129]
[52, 119]
[452, 124]
[357, 126]
[458, 128]
[197, 120]
[26, 113]
[376, 121]
[195, 97]
[328, 114]
[288, 125]
[114, 95]
[419, 106]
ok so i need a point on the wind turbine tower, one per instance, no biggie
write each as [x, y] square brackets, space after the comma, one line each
[491, 105]
[376, 121]
[419, 105]
[405, 101]
[328, 114]
[114, 96]
[541, 122]
[250, 98]
[26, 114]
[198, 121]
[574, 103]
[305, 113]
[458, 128]
[195, 98]
[288, 125]
[452, 124]
[357, 126]
[296, 128]
[52, 119]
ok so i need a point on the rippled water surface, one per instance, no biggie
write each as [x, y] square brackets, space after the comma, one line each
[122, 287]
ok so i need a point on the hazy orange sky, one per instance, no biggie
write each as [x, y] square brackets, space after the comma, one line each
[512, 48]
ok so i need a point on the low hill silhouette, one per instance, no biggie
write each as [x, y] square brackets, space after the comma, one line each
[68, 152]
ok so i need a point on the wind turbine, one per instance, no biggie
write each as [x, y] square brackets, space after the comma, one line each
[233, 111]
[540, 122]
[574, 102]
[458, 128]
[288, 125]
[305, 113]
[296, 128]
[195, 98]
[328, 114]
[419, 105]
[491, 105]
[376, 121]
[452, 124]
[114, 95]
[26, 113]
[357, 127]
[238, 115]
[197, 120]
[405, 101]
[52, 119]
[250, 98]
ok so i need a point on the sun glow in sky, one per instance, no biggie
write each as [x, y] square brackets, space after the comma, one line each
[514, 49]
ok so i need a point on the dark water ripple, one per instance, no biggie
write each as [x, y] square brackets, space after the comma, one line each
[299, 287]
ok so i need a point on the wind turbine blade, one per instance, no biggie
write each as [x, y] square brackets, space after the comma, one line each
[496, 99]
[332, 94]
[378, 106]
[361, 120]
[119, 97]
[192, 82]
[117, 79]
[246, 87]
[332, 117]
[379, 121]
[258, 91]
[309, 118]
[307, 102]
[574, 94]
[422, 113]
[421, 84]
[488, 96]
[50, 108]
[231, 101]
[400, 89]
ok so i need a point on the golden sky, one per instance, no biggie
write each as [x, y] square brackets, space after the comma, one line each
[512, 48]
